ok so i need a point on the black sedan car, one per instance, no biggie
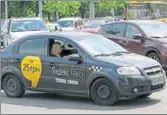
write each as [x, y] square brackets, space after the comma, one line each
[77, 63]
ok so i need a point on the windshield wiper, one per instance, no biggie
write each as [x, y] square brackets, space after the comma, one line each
[124, 52]
[155, 37]
[111, 53]
[102, 55]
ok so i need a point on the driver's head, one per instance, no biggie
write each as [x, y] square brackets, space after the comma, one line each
[59, 48]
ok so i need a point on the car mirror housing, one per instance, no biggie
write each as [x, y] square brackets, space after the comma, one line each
[137, 36]
[75, 57]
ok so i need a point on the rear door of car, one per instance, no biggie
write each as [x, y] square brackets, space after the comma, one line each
[115, 32]
[134, 45]
[28, 60]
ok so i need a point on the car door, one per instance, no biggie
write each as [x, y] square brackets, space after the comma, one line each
[27, 60]
[134, 45]
[63, 73]
[115, 32]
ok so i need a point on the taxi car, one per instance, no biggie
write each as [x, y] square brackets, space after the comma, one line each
[99, 69]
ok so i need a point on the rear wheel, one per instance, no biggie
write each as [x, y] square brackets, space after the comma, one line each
[103, 92]
[12, 86]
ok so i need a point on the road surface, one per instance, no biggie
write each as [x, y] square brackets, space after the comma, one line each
[43, 103]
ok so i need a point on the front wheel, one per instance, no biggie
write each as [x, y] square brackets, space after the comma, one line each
[154, 56]
[12, 86]
[103, 92]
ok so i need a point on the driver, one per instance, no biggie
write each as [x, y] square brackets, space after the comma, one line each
[57, 49]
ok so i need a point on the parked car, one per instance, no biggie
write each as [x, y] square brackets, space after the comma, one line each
[54, 27]
[145, 37]
[15, 28]
[77, 63]
[92, 26]
[70, 24]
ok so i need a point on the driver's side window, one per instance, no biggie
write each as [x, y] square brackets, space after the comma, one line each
[60, 48]
[131, 31]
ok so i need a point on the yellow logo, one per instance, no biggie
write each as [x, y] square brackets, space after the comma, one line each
[31, 69]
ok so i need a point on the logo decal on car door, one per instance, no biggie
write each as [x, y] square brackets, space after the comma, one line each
[31, 69]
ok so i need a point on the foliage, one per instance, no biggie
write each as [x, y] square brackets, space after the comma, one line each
[63, 8]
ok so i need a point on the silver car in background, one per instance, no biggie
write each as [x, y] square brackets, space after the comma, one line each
[15, 28]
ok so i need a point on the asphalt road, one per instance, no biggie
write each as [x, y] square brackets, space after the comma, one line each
[43, 103]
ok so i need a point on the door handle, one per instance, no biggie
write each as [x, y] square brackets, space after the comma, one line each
[17, 60]
[52, 63]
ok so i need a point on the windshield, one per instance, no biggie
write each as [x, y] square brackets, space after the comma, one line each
[65, 23]
[97, 44]
[28, 25]
[158, 29]
[93, 24]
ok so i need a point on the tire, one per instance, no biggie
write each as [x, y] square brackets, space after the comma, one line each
[145, 96]
[12, 86]
[154, 56]
[103, 92]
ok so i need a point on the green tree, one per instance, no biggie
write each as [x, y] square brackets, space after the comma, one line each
[64, 9]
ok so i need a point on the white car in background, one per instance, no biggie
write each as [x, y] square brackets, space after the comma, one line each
[15, 28]
[71, 24]
[54, 27]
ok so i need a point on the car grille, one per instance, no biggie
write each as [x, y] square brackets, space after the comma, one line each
[155, 70]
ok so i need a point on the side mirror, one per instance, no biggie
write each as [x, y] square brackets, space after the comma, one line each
[75, 57]
[137, 36]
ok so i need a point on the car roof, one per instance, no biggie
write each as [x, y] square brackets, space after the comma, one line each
[69, 18]
[143, 21]
[26, 18]
[137, 21]
[75, 36]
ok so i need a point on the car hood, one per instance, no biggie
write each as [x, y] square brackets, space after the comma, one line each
[130, 60]
[162, 40]
[18, 35]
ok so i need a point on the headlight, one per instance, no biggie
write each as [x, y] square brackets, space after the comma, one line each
[128, 71]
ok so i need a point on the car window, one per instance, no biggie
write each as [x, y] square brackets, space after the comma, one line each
[33, 46]
[106, 27]
[116, 29]
[67, 48]
[65, 23]
[131, 30]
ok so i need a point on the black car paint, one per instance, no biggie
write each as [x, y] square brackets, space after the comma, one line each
[123, 84]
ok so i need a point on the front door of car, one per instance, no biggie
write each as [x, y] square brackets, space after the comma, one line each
[135, 40]
[63, 73]
[115, 32]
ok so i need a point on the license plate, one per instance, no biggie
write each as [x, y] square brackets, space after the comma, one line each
[158, 81]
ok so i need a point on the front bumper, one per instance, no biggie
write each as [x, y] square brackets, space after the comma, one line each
[129, 88]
